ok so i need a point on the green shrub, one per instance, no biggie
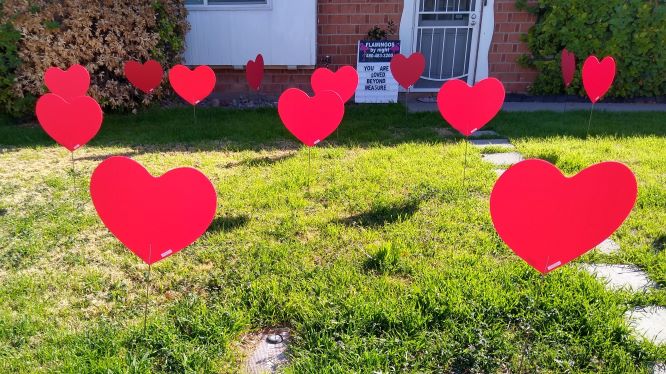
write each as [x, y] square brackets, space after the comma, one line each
[632, 31]
[9, 62]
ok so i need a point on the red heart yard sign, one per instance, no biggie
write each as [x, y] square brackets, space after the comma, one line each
[73, 82]
[568, 65]
[192, 85]
[598, 76]
[153, 217]
[145, 77]
[344, 81]
[71, 123]
[311, 119]
[407, 71]
[467, 109]
[254, 72]
[549, 220]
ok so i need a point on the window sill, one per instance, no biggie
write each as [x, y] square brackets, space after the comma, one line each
[223, 8]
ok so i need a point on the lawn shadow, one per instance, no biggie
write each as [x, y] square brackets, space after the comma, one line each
[659, 244]
[3, 212]
[228, 223]
[261, 161]
[382, 215]
[104, 157]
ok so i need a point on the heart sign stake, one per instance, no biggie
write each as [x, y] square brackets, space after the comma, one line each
[469, 108]
[548, 219]
[146, 77]
[568, 65]
[192, 85]
[73, 82]
[407, 70]
[71, 123]
[153, 217]
[310, 119]
[598, 77]
[254, 72]
[344, 81]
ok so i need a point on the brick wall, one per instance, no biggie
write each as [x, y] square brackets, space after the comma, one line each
[506, 47]
[231, 82]
[342, 23]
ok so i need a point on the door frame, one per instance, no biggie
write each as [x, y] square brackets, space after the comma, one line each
[478, 69]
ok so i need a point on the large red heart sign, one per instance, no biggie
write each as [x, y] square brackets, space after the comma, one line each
[568, 65]
[153, 217]
[145, 77]
[598, 76]
[549, 220]
[254, 72]
[344, 81]
[192, 85]
[467, 109]
[73, 82]
[311, 119]
[407, 70]
[71, 123]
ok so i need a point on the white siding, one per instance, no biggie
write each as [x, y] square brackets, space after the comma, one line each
[286, 35]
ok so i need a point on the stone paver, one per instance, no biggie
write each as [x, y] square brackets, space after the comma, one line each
[503, 159]
[659, 369]
[500, 143]
[609, 247]
[483, 133]
[621, 277]
[268, 356]
[649, 323]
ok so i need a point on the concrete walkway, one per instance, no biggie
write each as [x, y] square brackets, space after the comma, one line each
[648, 322]
[416, 107]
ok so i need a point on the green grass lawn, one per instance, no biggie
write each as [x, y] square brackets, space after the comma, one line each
[385, 263]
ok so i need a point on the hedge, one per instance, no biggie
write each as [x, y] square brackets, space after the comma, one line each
[632, 31]
[100, 35]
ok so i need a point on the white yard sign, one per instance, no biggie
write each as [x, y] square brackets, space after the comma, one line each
[375, 81]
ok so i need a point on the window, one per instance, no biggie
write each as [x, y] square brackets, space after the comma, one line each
[227, 4]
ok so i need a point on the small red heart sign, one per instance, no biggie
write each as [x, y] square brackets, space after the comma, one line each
[344, 81]
[73, 82]
[145, 77]
[254, 72]
[467, 109]
[549, 220]
[153, 217]
[568, 65]
[407, 70]
[71, 123]
[598, 76]
[311, 119]
[192, 85]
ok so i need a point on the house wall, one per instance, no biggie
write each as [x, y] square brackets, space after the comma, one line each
[284, 32]
[506, 47]
[341, 23]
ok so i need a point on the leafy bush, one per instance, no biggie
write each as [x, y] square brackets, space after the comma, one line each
[632, 31]
[100, 35]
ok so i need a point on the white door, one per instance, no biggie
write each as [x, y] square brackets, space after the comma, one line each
[447, 33]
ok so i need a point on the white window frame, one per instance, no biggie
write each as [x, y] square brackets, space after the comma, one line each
[205, 6]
